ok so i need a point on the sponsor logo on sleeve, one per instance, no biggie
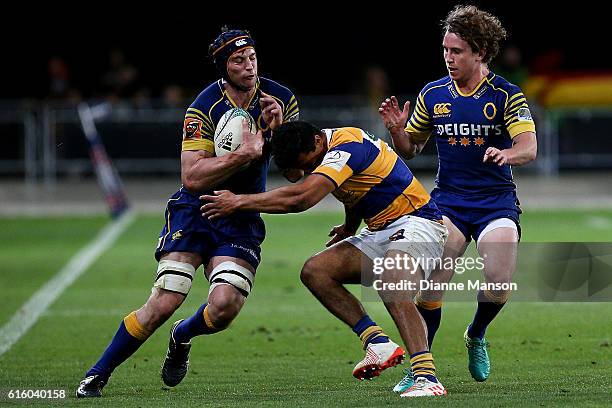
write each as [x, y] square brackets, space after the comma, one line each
[336, 159]
[524, 114]
[293, 118]
[192, 129]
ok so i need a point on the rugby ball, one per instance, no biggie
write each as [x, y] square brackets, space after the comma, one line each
[228, 134]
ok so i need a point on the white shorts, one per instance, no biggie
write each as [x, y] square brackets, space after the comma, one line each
[420, 238]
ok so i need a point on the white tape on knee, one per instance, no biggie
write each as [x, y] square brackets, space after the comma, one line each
[230, 273]
[174, 276]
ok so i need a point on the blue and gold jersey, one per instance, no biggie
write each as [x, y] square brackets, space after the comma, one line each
[465, 126]
[205, 112]
[371, 179]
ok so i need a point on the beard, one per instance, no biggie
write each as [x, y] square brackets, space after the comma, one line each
[241, 88]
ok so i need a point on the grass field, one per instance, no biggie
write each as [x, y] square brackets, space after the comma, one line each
[285, 349]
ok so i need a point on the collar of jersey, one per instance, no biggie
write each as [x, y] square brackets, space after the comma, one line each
[229, 98]
[489, 76]
[328, 135]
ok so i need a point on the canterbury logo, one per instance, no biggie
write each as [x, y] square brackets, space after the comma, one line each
[240, 43]
[442, 108]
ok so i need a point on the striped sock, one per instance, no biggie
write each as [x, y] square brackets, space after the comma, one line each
[369, 332]
[422, 365]
[129, 337]
[196, 325]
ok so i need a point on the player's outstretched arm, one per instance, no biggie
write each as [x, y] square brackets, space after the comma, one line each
[289, 199]
[524, 150]
[395, 121]
[200, 170]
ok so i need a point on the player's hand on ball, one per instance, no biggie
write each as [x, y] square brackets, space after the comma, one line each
[221, 204]
[392, 117]
[494, 155]
[252, 144]
[271, 111]
[338, 233]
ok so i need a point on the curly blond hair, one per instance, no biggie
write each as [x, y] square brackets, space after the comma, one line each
[480, 29]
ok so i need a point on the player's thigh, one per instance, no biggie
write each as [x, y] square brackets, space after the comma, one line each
[175, 273]
[456, 243]
[231, 279]
[215, 261]
[342, 262]
[498, 248]
[409, 245]
[400, 278]
[191, 258]
[455, 246]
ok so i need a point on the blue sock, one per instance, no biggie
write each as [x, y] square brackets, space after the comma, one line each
[374, 333]
[432, 320]
[485, 313]
[194, 326]
[122, 346]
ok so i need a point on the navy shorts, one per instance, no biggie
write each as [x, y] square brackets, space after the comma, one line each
[186, 230]
[471, 214]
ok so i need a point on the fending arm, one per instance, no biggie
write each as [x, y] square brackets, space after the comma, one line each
[288, 199]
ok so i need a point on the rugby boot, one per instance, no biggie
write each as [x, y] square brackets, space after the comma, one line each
[423, 387]
[406, 382]
[176, 363]
[478, 357]
[91, 386]
[379, 357]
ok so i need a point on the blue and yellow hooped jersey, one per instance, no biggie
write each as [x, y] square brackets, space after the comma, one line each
[465, 125]
[371, 179]
[205, 112]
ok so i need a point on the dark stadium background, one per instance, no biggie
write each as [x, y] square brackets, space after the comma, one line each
[315, 48]
[321, 51]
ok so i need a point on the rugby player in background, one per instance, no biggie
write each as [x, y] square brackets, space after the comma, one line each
[482, 126]
[374, 185]
[228, 249]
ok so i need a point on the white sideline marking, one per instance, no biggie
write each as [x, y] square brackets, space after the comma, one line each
[29, 313]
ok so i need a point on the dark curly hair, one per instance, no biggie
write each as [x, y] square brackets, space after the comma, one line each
[480, 29]
[290, 139]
